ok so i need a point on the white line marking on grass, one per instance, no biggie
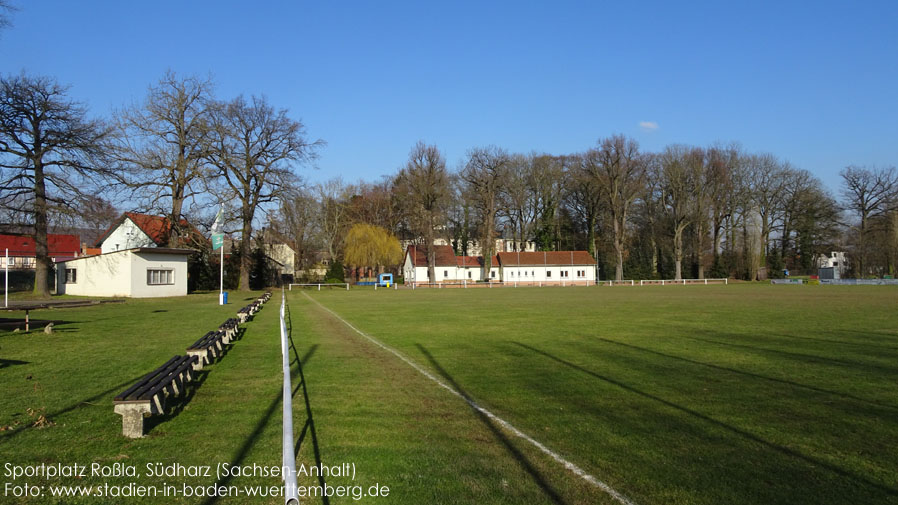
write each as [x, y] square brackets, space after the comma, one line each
[579, 472]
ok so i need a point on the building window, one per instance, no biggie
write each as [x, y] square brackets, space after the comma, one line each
[71, 275]
[445, 273]
[160, 277]
[469, 275]
[565, 273]
[548, 274]
[28, 262]
[533, 273]
[492, 274]
[12, 261]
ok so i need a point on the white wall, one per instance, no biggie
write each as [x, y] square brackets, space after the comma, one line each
[127, 236]
[141, 262]
[103, 275]
[123, 273]
[550, 274]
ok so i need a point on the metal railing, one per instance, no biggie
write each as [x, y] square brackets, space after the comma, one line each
[289, 458]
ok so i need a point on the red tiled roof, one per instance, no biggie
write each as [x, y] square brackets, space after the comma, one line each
[469, 261]
[57, 245]
[546, 258]
[445, 256]
[475, 261]
[156, 227]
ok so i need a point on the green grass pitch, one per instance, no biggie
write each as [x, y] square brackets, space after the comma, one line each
[677, 394]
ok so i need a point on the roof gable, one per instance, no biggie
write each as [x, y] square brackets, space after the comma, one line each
[445, 256]
[157, 228]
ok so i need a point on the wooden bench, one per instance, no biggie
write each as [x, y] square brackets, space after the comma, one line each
[229, 327]
[151, 393]
[210, 344]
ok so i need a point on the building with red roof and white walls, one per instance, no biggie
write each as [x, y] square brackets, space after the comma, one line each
[23, 250]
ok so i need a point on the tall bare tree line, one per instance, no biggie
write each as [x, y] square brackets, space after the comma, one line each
[686, 211]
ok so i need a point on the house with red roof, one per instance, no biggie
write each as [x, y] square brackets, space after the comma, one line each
[520, 268]
[548, 267]
[134, 230]
[23, 251]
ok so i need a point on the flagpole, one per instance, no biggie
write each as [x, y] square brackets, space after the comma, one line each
[221, 276]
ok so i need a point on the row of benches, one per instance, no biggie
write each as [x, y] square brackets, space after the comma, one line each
[150, 395]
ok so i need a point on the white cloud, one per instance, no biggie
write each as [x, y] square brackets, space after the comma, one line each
[648, 126]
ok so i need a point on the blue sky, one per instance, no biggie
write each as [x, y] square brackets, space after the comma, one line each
[815, 83]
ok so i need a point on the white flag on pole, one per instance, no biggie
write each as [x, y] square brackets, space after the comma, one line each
[217, 224]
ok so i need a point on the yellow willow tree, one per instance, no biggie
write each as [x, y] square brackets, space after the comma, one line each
[369, 247]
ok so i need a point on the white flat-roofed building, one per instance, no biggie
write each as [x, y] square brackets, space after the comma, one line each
[143, 272]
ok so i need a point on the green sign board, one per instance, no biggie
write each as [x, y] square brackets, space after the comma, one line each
[217, 240]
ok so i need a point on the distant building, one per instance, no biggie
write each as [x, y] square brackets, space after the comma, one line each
[526, 268]
[832, 266]
[23, 250]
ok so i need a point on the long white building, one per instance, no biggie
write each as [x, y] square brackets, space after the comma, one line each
[521, 268]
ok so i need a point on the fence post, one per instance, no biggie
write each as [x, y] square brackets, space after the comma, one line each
[319, 287]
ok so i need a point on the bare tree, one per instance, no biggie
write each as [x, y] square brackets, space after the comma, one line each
[679, 170]
[49, 155]
[869, 194]
[767, 178]
[583, 195]
[333, 220]
[483, 175]
[299, 215]
[165, 141]
[423, 186]
[619, 172]
[718, 185]
[254, 148]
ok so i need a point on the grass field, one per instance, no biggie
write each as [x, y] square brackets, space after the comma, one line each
[683, 394]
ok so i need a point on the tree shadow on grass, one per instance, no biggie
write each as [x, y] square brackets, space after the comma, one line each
[749, 374]
[814, 462]
[522, 460]
[804, 358]
[11, 362]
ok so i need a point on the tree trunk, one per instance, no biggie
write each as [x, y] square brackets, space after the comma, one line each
[591, 235]
[619, 251]
[678, 254]
[245, 249]
[431, 254]
[42, 262]
[174, 230]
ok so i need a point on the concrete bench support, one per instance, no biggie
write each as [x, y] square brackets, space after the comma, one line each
[132, 418]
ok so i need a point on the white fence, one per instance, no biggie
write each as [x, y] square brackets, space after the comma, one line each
[675, 282]
[288, 457]
[567, 283]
